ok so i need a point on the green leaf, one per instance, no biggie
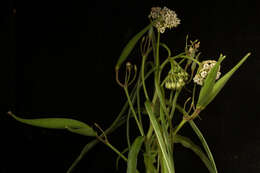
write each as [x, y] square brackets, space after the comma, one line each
[82, 131]
[84, 151]
[209, 84]
[187, 143]
[133, 153]
[117, 123]
[168, 162]
[222, 81]
[204, 143]
[58, 123]
[130, 45]
[200, 136]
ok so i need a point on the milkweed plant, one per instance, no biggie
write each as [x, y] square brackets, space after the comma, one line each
[153, 93]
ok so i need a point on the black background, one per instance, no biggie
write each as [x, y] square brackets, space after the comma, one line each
[57, 59]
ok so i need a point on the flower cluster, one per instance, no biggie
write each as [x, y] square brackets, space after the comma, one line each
[203, 71]
[176, 79]
[164, 18]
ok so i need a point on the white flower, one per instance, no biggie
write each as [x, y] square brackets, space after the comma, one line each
[206, 66]
[203, 74]
[203, 71]
[165, 17]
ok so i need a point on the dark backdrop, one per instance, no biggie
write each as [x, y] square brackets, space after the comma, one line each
[57, 59]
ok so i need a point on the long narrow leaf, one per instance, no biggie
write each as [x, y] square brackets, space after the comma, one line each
[204, 143]
[84, 151]
[222, 81]
[186, 142]
[57, 123]
[133, 153]
[169, 164]
[200, 136]
[130, 45]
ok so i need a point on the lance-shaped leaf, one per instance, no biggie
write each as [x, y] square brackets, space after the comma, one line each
[168, 162]
[186, 142]
[130, 45]
[133, 153]
[222, 81]
[58, 123]
[208, 84]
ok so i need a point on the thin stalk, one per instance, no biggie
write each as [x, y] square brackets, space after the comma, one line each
[174, 103]
[116, 123]
[127, 129]
[185, 119]
[138, 100]
[179, 127]
[115, 150]
[186, 57]
[142, 74]
[133, 111]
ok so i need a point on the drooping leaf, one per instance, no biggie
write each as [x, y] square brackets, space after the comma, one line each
[133, 153]
[187, 143]
[57, 123]
[84, 151]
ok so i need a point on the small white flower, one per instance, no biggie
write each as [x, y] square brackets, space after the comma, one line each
[212, 64]
[202, 72]
[165, 17]
[206, 66]
[218, 75]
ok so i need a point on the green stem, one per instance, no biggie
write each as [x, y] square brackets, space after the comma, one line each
[185, 119]
[133, 111]
[186, 57]
[174, 103]
[116, 123]
[115, 150]
[179, 127]
[142, 74]
[157, 62]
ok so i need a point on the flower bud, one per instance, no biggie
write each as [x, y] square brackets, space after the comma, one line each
[176, 78]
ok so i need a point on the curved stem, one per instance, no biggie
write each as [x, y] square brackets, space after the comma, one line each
[187, 57]
[115, 150]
